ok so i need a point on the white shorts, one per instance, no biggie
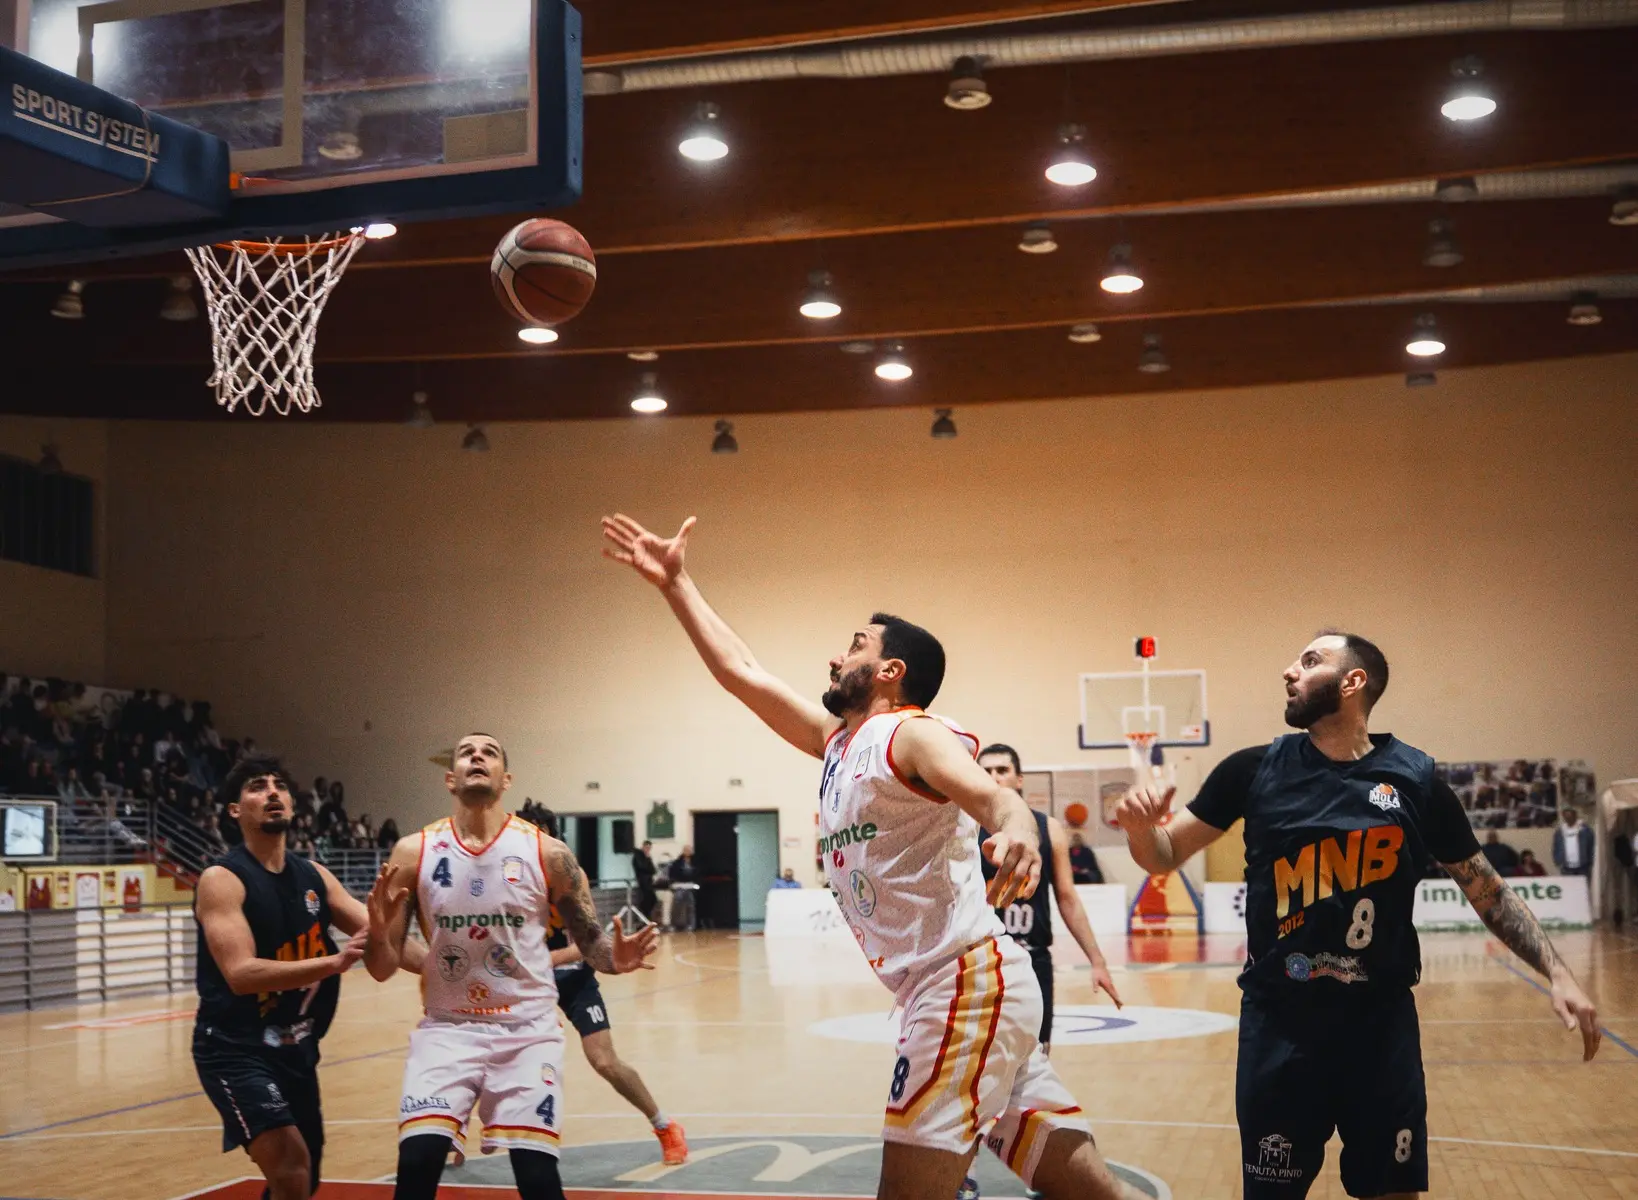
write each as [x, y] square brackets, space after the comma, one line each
[970, 1062]
[512, 1073]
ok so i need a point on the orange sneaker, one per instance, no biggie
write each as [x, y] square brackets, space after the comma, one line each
[673, 1144]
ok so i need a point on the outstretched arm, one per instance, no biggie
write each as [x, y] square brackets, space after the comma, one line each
[1074, 914]
[388, 910]
[1516, 927]
[572, 896]
[1160, 849]
[801, 722]
[220, 905]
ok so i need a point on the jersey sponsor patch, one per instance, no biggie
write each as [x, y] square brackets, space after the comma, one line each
[1345, 968]
[864, 895]
[477, 993]
[1384, 796]
[512, 869]
[500, 960]
[312, 901]
[476, 886]
[453, 962]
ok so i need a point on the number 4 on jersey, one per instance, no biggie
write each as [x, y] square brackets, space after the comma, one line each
[547, 1112]
[440, 873]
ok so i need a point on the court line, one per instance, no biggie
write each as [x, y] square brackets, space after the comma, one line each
[114, 1112]
[1530, 979]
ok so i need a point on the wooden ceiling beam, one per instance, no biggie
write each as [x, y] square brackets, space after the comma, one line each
[1239, 350]
[903, 286]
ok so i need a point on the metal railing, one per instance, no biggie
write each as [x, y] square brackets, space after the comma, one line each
[76, 956]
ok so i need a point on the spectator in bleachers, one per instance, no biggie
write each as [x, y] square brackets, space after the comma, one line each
[1083, 864]
[787, 880]
[387, 838]
[1572, 844]
[1529, 864]
[1500, 855]
[70, 789]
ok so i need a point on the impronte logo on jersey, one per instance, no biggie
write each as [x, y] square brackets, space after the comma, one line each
[853, 835]
[456, 921]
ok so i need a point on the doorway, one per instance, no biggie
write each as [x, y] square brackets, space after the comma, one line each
[602, 842]
[736, 855]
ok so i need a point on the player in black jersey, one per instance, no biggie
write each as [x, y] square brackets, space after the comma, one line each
[1340, 823]
[1030, 921]
[268, 978]
[582, 1002]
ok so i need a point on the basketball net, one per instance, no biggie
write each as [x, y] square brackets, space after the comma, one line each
[265, 300]
[1142, 747]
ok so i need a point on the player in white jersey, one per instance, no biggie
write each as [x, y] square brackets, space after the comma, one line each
[484, 885]
[900, 804]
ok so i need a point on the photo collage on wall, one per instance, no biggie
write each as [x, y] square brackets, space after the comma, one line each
[1519, 793]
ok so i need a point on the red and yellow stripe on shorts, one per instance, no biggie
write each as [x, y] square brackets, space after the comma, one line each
[520, 1135]
[433, 1123]
[969, 1033]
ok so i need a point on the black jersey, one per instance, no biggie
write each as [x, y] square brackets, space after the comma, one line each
[289, 916]
[1029, 921]
[557, 938]
[1334, 851]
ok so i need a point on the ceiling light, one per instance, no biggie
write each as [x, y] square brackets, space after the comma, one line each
[967, 90]
[1442, 250]
[1153, 360]
[1071, 165]
[703, 141]
[1420, 379]
[1119, 276]
[643, 355]
[51, 459]
[340, 146]
[894, 367]
[70, 304]
[819, 301]
[1584, 309]
[1037, 239]
[725, 442]
[376, 230]
[943, 426]
[648, 398]
[420, 413]
[1625, 209]
[1425, 341]
[1469, 98]
[537, 335]
[476, 440]
[179, 303]
[1454, 191]
[1085, 333]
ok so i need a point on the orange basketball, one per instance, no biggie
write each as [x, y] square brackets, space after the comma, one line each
[1076, 815]
[543, 271]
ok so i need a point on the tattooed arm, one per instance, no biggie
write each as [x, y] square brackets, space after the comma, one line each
[608, 955]
[1516, 927]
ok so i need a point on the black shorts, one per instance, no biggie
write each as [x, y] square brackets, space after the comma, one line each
[255, 1091]
[1041, 960]
[1349, 1063]
[582, 1000]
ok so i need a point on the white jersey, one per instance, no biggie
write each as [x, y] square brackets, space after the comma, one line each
[903, 862]
[485, 913]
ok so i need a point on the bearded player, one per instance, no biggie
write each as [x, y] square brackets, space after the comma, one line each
[1339, 824]
[484, 886]
[900, 804]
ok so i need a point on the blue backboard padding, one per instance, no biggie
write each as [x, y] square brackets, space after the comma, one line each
[62, 139]
[553, 182]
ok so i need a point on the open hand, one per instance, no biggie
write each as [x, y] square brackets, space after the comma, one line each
[632, 953]
[383, 900]
[1577, 1012]
[658, 560]
[1143, 807]
[1017, 869]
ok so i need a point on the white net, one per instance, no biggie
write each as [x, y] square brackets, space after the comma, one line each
[265, 300]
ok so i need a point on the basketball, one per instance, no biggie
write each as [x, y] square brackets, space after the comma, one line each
[1075, 815]
[544, 271]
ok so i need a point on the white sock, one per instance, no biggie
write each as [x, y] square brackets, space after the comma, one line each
[660, 1122]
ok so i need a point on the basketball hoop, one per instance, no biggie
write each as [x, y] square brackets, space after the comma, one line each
[264, 300]
[1142, 746]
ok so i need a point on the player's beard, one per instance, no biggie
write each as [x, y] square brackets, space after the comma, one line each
[275, 825]
[849, 693]
[1323, 699]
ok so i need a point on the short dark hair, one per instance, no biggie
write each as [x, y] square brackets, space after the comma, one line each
[1003, 748]
[481, 733]
[1364, 655]
[919, 651]
[252, 766]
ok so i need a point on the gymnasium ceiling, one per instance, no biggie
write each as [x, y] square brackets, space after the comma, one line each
[1277, 199]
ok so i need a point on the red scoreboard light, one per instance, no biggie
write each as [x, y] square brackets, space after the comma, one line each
[1144, 647]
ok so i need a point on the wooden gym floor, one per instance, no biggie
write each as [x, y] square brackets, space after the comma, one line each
[101, 1102]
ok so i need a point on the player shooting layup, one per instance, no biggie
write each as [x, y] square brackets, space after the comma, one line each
[1339, 822]
[484, 886]
[900, 804]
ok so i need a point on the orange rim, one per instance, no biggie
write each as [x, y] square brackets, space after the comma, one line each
[298, 247]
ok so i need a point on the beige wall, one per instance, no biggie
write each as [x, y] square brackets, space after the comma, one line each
[51, 622]
[360, 596]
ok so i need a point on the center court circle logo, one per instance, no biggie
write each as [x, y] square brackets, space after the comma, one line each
[757, 1164]
[1072, 1025]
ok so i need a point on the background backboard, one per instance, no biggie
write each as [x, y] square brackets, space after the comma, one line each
[1170, 703]
[337, 112]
